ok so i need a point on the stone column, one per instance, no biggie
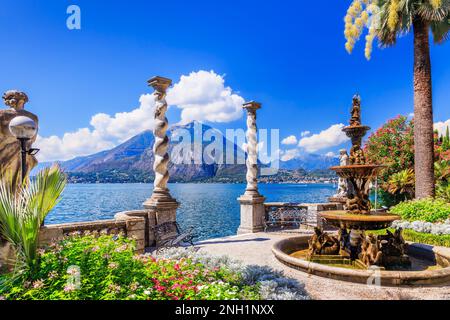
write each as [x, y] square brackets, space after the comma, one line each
[252, 202]
[161, 206]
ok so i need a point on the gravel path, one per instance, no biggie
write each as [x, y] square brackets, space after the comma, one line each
[256, 249]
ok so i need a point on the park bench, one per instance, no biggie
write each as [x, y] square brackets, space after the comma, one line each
[169, 234]
[284, 215]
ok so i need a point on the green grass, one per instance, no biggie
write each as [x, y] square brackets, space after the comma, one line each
[426, 238]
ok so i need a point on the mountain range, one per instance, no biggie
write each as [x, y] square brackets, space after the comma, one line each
[132, 161]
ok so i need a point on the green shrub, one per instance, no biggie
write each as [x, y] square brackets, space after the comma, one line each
[443, 191]
[423, 210]
[106, 268]
[419, 237]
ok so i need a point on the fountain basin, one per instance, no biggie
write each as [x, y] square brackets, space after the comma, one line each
[437, 257]
[372, 221]
[357, 171]
[355, 131]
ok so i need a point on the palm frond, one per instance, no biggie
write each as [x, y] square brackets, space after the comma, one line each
[426, 11]
[24, 208]
[440, 30]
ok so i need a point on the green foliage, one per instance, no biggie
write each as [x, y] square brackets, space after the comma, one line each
[106, 268]
[402, 183]
[430, 210]
[419, 237]
[387, 199]
[23, 209]
[443, 192]
[392, 145]
[387, 20]
[446, 140]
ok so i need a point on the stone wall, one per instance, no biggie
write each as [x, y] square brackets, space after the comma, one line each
[132, 224]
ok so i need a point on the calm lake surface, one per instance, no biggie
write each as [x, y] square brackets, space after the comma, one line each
[212, 209]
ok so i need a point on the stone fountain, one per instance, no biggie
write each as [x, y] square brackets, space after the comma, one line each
[354, 253]
[357, 216]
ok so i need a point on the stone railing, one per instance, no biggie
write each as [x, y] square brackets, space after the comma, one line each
[305, 214]
[132, 224]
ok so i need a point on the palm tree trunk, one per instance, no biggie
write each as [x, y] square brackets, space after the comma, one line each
[423, 113]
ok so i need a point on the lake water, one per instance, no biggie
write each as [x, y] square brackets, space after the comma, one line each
[212, 209]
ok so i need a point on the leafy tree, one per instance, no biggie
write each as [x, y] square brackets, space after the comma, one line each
[392, 145]
[386, 20]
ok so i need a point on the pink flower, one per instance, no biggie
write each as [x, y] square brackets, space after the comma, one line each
[38, 284]
[70, 287]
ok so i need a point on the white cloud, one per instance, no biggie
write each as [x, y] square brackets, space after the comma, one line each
[305, 133]
[106, 132]
[289, 140]
[330, 154]
[287, 155]
[203, 96]
[331, 137]
[442, 126]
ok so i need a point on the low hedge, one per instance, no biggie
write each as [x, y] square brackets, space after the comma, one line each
[426, 238]
[429, 210]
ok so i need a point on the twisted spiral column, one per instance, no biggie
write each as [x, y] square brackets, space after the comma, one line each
[161, 145]
[251, 202]
[252, 149]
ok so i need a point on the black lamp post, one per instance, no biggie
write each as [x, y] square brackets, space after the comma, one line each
[24, 128]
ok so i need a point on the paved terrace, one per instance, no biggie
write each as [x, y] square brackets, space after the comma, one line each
[256, 249]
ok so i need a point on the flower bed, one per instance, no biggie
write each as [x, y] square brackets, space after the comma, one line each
[424, 227]
[105, 268]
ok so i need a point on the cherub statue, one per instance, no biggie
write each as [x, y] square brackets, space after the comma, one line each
[10, 151]
[355, 119]
[342, 183]
[322, 243]
[343, 157]
[357, 155]
[371, 253]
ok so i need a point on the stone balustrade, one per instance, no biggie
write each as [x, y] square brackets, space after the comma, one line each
[138, 224]
[132, 224]
[307, 212]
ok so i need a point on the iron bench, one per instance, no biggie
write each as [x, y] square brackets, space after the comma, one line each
[283, 215]
[169, 234]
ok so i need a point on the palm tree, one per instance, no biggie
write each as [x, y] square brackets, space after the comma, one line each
[23, 209]
[386, 21]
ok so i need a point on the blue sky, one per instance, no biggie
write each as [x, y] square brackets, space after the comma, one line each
[288, 55]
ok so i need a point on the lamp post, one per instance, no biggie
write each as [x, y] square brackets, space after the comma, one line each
[24, 129]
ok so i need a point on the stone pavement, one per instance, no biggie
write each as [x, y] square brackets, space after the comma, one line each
[256, 249]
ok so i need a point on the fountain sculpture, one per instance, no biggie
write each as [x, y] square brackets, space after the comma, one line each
[354, 253]
[385, 250]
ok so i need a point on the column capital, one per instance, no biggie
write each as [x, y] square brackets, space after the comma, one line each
[251, 106]
[159, 83]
